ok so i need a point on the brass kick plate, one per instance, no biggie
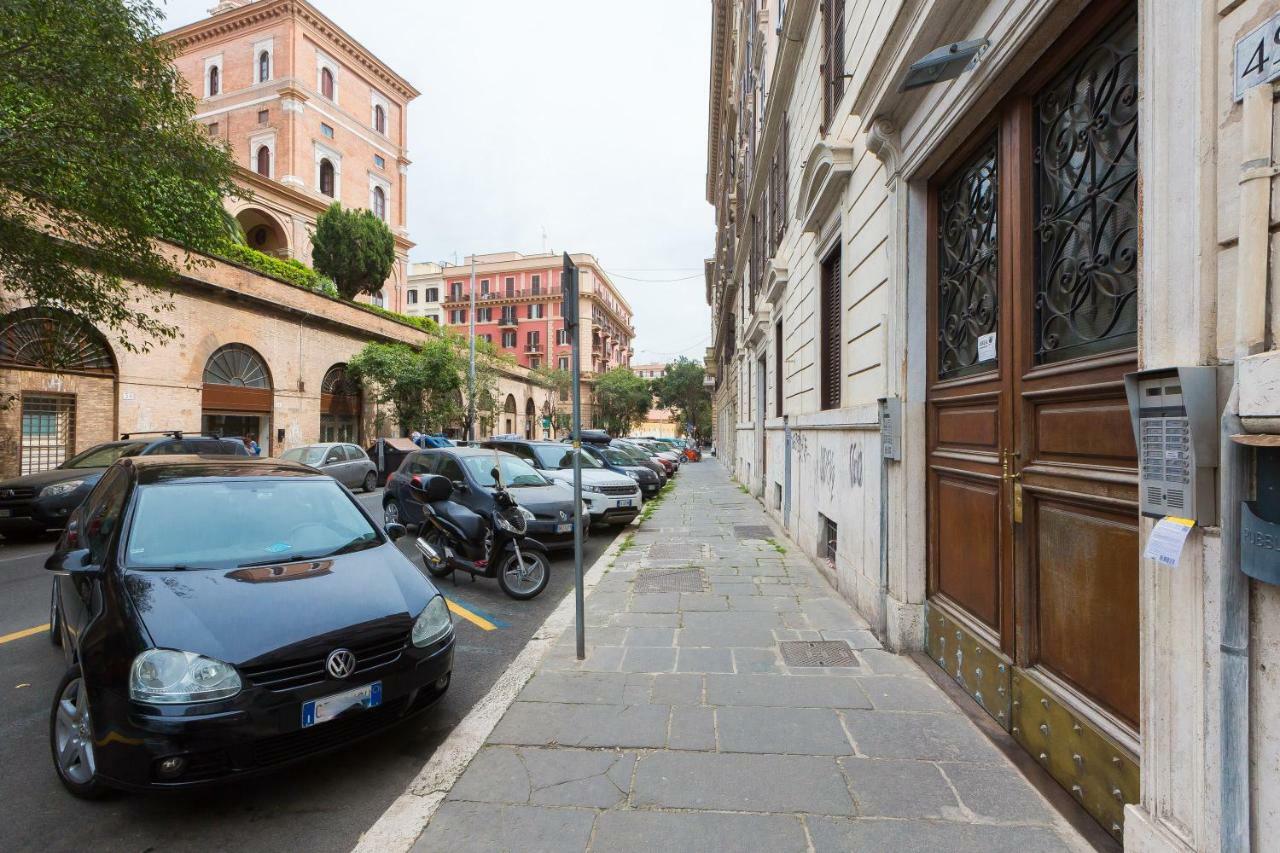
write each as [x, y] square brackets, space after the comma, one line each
[1098, 773]
[981, 670]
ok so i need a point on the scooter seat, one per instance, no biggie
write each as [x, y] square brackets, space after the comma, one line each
[470, 523]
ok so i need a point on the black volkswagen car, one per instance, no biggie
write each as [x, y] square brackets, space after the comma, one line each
[43, 501]
[225, 617]
[468, 468]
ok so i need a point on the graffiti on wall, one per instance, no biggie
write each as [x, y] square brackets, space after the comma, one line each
[855, 465]
[827, 469]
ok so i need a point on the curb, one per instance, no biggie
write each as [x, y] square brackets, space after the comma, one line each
[405, 819]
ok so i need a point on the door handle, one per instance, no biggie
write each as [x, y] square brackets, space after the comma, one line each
[1014, 477]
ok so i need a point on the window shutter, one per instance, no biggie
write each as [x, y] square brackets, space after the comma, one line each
[837, 52]
[824, 67]
[830, 317]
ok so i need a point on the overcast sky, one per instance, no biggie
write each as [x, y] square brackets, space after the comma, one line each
[584, 117]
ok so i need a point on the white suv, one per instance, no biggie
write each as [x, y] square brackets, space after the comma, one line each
[611, 498]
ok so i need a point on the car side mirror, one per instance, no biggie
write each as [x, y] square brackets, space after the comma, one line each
[396, 531]
[75, 562]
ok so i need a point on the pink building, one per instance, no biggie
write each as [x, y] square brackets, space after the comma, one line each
[311, 116]
[519, 309]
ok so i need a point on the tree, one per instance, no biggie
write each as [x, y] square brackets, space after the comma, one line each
[622, 400]
[681, 389]
[558, 383]
[419, 383]
[99, 158]
[354, 248]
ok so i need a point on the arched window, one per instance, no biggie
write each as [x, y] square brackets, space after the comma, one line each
[52, 339]
[236, 365]
[326, 178]
[264, 67]
[213, 81]
[380, 299]
[264, 161]
[379, 119]
[326, 83]
[380, 203]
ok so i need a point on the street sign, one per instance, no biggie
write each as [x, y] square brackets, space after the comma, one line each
[569, 293]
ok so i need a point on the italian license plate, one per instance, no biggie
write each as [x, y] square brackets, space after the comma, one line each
[563, 528]
[625, 503]
[322, 710]
[5, 513]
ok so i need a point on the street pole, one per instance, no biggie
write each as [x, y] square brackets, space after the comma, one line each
[471, 371]
[569, 292]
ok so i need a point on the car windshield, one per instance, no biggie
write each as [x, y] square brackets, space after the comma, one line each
[616, 457]
[306, 455]
[516, 473]
[221, 524]
[103, 455]
[559, 457]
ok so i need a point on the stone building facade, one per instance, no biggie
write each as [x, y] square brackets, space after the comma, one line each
[311, 116]
[926, 301]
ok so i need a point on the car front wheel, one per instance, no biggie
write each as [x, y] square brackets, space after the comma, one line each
[370, 482]
[71, 737]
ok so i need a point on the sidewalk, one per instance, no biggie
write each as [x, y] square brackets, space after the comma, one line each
[685, 728]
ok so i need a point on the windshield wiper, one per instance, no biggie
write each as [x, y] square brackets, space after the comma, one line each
[276, 561]
[360, 543]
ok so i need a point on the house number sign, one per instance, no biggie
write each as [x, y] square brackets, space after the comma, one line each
[1258, 57]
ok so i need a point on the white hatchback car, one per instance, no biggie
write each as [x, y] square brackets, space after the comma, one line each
[611, 498]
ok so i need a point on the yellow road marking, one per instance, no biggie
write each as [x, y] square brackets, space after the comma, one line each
[26, 632]
[458, 610]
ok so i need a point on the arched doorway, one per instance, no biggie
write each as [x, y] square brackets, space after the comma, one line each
[59, 379]
[509, 415]
[263, 232]
[340, 406]
[237, 397]
[530, 418]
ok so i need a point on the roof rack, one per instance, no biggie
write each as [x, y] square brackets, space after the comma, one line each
[174, 433]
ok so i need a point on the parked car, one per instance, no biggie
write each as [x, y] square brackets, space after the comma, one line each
[44, 501]
[468, 468]
[615, 460]
[664, 459]
[223, 617]
[611, 498]
[346, 463]
[639, 457]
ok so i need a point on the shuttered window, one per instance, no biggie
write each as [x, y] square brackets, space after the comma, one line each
[779, 371]
[832, 59]
[829, 317]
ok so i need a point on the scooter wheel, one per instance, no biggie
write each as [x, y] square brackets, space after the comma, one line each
[436, 571]
[526, 581]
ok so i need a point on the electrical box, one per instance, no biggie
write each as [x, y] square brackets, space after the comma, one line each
[1175, 425]
[891, 429]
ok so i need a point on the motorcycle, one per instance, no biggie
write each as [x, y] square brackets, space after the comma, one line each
[454, 538]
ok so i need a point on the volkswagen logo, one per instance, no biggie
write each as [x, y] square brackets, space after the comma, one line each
[564, 516]
[341, 663]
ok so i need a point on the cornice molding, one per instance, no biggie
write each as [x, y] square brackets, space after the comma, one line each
[827, 170]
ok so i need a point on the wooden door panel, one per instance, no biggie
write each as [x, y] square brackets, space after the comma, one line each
[975, 424]
[1093, 431]
[967, 549]
[1085, 571]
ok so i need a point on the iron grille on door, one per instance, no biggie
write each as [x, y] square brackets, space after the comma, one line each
[829, 318]
[968, 267]
[1086, 162]
[48, 431]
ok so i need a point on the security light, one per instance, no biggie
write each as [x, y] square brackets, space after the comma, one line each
[946, 63]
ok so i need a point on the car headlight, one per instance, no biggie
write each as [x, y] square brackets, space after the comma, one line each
[595, 489]
[61, 488]
[433, 624]
[528, 516]
[164, 676]
[633, 475]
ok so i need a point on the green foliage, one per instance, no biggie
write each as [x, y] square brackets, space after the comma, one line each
[419, 383]
[622, 400]
[290, 270]
[354, 248]
[99, 157]
[681, 389]
[426, 324]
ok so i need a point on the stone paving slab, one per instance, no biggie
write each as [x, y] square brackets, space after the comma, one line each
[685, 730]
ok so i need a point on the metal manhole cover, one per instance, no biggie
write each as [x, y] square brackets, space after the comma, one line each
[674, 551]
[817, 653]
[752, 531]
[670, 580]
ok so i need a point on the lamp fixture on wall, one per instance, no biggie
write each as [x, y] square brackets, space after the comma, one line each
[946, 63]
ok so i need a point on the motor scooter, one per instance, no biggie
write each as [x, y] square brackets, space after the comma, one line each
[454, 538]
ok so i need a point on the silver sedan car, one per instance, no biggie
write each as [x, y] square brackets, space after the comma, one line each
[345, 463]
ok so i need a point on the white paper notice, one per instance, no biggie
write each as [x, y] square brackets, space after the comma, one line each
[987, 347]
[1167, 538]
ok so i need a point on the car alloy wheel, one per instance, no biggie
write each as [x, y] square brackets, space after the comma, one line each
[71, 737]
[370, 482]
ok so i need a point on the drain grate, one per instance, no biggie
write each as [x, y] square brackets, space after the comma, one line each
[674, 551]
[670, 580]
[752, 531]
[817, 653]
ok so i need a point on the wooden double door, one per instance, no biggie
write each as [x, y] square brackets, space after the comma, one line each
[1032, 471]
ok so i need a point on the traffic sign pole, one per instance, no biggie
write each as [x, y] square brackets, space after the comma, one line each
[569, 292]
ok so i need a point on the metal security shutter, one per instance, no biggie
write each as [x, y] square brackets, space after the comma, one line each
[829, 317]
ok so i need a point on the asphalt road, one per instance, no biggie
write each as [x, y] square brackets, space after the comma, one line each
[319, 805]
